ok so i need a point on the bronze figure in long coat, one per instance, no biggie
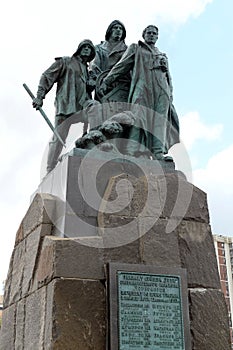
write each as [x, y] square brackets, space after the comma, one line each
[157, 126]
[72, 93]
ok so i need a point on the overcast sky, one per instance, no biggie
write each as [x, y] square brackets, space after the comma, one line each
[197, 36]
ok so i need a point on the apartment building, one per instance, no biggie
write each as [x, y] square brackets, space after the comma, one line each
[224, 251]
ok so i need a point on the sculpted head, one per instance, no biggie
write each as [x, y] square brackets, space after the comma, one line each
[115, 30]
[150, 34]
[90, 140]
[86, 49]
[110, 128]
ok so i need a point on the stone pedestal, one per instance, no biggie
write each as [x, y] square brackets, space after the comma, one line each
[56, 290]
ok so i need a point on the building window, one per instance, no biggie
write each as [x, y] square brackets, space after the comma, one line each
[230, 322]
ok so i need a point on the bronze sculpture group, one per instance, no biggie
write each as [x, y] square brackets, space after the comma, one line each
[136, 77]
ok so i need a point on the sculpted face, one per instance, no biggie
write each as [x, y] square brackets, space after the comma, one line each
[116, 32]
[151, 35]
[85, 50]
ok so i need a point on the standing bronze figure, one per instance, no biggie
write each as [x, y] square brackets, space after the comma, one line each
[157, 127]
[73, 93]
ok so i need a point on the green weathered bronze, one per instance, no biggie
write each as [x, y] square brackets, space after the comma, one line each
[150, 311]
[134, 81]
[157, 127]
[148, 307]
[108, 53]
[73, 92]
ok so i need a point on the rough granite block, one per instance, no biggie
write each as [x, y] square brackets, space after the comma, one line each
[198, 255]
[127, 253]
[69, 258]
[7, 331]
[78, 315]
[13, 288]
[7, 287]
[23, 262]
[209, 320]
[41, 211]
[61, 257]
[74, 259]
[32, 251]
[35, 307]
[44, 270]
[49, 319]
[20, 322]
[160, 248]
[181, 199]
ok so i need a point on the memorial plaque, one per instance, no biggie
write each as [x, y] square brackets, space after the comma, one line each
[148, 308]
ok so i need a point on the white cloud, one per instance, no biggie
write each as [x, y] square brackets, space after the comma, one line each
[179, 11]
[218, 170]
[51, 22]
[194, 129]
[217, 181]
